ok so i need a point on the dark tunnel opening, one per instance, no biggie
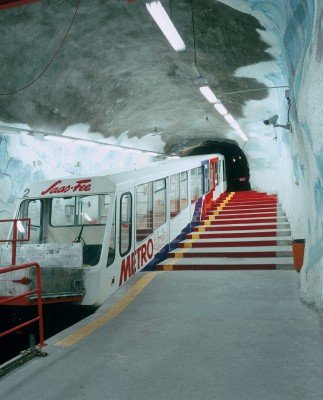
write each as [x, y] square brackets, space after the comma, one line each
[237, 168]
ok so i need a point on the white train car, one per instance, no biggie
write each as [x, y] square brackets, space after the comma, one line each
[91, 234]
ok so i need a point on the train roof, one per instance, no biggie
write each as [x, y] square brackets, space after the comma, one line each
[116, 180]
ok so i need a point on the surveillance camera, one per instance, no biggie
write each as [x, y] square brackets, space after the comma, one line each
[271, 121]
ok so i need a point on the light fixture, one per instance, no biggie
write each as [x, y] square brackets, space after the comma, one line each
[240, 132]
[157, 11]
[220, 109]
[208, 94]
[229, 118]
[235, 125]
[211, 97]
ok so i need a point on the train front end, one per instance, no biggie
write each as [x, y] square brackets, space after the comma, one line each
[61, 225]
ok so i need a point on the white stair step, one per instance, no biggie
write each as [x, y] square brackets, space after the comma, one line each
[236, 249]
[245, 249]
[280, 231]
[249, 213]
[247, 224]
[242, 239]
[277, 217]
[228, 261]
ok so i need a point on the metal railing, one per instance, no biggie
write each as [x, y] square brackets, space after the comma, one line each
[37, 291]
[16, 227]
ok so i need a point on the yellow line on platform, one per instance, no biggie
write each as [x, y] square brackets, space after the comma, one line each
[110, 314]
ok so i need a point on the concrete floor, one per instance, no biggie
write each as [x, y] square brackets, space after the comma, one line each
[225, 335]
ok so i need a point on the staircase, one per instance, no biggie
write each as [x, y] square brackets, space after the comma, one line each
[243, 231]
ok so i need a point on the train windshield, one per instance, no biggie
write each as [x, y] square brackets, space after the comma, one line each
[70, 220]
[77, 211]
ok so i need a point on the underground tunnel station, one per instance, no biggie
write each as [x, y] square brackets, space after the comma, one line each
[161, 199]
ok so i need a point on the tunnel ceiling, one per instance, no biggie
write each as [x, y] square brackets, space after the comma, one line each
[116, 74]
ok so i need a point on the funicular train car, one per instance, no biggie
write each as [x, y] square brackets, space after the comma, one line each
[91, 234]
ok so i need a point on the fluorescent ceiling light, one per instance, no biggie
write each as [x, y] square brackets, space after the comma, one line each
[208, 94]
[229, 118]
[162, 19]
[220, 109]
[235, 125]
[240, 132]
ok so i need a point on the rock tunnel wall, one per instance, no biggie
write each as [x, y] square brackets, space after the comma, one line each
[295, 160]
[304, 55]
[298, 26]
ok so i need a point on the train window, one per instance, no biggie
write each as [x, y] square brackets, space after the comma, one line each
[81, 210]
[218, 176]
[212, 176]
[125, 223]
[194, 186]
[174, 195]
[223, 172]
[104, 205]
[199, 181]
[144, 211]
[87, 210]
[159, 203]
[184, 190]
[63, 211]
[206, 178]
[32, 209]
[215, 173]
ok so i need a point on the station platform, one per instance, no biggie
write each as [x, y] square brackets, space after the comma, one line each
[224, 335]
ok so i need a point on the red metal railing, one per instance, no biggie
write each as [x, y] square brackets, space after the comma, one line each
[37, 291]
[15, 238]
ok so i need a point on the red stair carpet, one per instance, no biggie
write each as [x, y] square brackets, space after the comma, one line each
[243, 231]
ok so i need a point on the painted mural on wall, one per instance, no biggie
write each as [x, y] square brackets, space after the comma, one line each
[296, 43]
[26, 159]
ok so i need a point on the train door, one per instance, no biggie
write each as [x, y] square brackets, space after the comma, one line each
[215, 176]
[125, 225]
[160, 224]
[151, 229]
[213, 173]
[207, 187]
[218, 176]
